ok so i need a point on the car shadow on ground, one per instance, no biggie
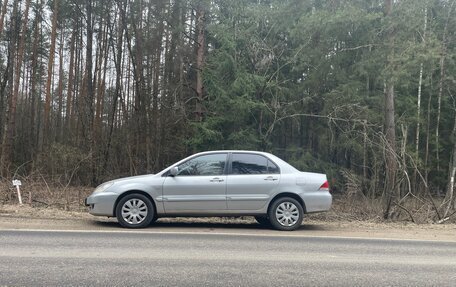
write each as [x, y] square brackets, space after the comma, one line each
[188, 225]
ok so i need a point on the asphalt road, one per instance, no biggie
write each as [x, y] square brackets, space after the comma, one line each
[150, 258]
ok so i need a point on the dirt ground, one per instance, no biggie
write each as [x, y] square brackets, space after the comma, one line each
[26, 217]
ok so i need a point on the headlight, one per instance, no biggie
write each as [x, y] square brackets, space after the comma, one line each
[103, 187]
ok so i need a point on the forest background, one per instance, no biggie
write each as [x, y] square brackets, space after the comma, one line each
[362, 90]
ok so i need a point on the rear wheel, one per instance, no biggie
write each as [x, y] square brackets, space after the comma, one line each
[135, 211]
[286, 213]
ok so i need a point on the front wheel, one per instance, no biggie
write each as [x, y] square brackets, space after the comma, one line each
[135, 211]
[286, 213]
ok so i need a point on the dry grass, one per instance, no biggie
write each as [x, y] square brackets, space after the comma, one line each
[53, 200]
[359, 208]
[41, 194]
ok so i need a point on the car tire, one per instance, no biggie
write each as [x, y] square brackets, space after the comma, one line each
[263, 220]
[286, 213]
[135, 211]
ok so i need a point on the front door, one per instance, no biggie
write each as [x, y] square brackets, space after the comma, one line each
[198, 187]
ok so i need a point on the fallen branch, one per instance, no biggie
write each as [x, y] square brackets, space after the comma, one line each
[406, 210]
[446, 218]
[42, 202]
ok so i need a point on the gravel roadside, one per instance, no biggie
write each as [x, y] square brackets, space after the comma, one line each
[26, 217]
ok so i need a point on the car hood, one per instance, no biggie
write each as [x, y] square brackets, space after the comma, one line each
[137, 178]
[147, 183]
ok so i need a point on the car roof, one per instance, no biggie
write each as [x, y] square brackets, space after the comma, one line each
[284, 166]
[234, 151]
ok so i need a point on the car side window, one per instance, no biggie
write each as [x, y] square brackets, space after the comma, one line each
[252, 164]
[211, 164]
[272, 167]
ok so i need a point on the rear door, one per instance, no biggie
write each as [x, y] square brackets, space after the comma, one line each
[200, 185]
[251, 181]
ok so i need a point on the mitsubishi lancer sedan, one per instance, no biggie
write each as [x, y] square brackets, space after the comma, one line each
[216, 183]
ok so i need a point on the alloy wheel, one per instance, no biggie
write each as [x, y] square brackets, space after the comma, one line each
[287, 214]
[134, 211]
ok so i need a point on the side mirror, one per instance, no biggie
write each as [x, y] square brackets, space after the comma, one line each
[173, 171]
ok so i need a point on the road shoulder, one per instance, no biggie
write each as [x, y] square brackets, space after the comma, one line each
[27, 218]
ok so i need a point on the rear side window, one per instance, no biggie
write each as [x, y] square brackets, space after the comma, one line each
[242, 163]
[272, 167]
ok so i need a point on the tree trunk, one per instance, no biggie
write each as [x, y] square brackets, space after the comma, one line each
[102, 67]
[48, 96]
[89, 97]
[2, 15]
[20, 57]
[59, 130]
[70, 89]
[118, 91]
[420, 82]
[201, 45]
[10, 121]
[443, 55]
[390, 128]
[10, 124]
[449, 196]
[33, 82]
[439, 106]
[428, 139]
[418, 111]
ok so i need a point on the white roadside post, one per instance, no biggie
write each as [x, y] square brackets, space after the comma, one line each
[18, 183]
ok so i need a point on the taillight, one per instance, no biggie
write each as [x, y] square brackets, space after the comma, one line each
[325, 186]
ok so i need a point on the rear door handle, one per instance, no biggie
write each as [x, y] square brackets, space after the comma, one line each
[216, 179]
[271, 178]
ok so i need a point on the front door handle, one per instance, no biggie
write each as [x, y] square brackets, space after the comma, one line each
[271, 178]
[216, 179]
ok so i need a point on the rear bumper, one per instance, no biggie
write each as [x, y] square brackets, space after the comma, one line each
[317, 201]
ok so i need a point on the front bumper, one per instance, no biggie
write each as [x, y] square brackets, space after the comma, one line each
[101, 204]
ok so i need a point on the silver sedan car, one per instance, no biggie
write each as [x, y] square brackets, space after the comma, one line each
[216, 183]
